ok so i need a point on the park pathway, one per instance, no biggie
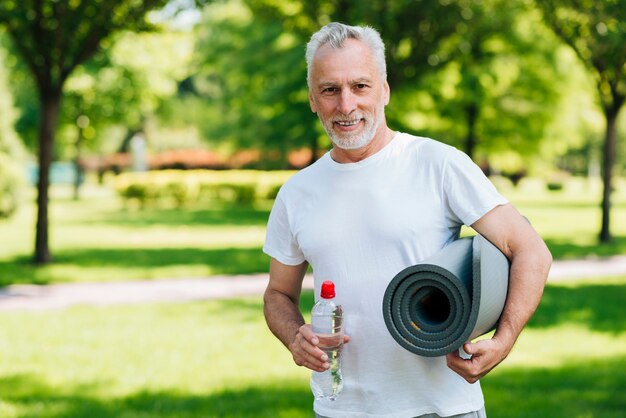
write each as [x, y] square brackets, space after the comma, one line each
[58, 296]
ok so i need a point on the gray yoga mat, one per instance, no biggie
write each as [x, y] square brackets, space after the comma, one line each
[458, 294]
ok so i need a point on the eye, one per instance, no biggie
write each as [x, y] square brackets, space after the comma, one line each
[330, 90]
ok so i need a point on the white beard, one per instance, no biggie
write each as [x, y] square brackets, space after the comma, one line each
[352, 141]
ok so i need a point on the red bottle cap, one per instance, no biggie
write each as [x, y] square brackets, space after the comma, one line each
[328, 290]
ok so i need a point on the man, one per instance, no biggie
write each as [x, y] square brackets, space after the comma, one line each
[377, 203]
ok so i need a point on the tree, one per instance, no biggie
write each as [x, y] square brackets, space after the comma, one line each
[496, 85]
[252, 77]
[53, 38]
[97, 96]
[596, 31]
[119, 91]
[252, 73]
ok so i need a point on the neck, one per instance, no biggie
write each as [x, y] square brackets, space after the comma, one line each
[344, 156]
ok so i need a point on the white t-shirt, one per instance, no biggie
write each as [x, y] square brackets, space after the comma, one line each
[359, 224]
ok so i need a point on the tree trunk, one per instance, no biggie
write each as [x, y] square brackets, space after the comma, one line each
[50, 106]
[608, 161]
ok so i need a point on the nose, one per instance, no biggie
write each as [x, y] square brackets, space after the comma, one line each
[346, 102]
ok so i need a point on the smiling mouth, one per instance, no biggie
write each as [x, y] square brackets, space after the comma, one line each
[347, 123]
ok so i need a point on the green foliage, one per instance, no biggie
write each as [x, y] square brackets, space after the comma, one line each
[252, 72]
[54, 37]
[412, 30]
[252, 69]
[597, 32]
[11, 185]
[196, 187]
[11, 150]
[21, 87]
[9, 142]
[492, 88]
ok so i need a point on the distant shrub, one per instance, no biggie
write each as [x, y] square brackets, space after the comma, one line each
[554, 185]
[181, 188]
[12, 183]
[556, 180]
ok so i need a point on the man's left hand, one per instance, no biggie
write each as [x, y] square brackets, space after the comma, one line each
[485, 355]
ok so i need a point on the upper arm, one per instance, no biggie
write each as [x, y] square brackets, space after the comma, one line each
[512, 233]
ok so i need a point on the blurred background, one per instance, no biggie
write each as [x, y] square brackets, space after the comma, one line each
[144, 140]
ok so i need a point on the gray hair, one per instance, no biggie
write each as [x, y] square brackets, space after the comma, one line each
[336, 34]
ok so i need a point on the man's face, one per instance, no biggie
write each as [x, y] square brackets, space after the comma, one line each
[348, 94]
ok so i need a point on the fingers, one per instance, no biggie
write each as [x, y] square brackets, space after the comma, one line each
[305, 351]
[485, 355]
[468, 368]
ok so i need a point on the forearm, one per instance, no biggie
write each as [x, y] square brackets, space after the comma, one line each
[529, 271]
[282, 315]
[282, 299]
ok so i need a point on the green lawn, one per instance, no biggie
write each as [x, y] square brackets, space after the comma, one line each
[569, 220]
[98, 239]
[217, 359]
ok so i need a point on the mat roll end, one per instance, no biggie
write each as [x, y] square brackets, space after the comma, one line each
[433, 308]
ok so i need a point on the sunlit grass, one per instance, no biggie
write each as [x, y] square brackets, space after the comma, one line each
[98, 239]
[570, 360]
[151, 360]
[569, 220]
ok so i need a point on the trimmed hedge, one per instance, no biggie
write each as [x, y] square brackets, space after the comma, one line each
[181, 188]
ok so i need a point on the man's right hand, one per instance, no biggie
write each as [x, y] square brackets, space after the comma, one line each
[305, 351]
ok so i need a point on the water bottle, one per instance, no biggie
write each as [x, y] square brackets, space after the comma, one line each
[327, 324]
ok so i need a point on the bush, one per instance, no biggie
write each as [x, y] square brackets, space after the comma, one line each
[12, 183]
[554, 186]
[182, 188]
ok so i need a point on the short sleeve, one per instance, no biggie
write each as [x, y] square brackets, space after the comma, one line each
[279, 241]
[468, 192]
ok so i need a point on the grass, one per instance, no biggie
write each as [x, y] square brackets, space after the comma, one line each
[98, 239]
[161, 360]
[569, 220]
[217, 359]
[570, 360]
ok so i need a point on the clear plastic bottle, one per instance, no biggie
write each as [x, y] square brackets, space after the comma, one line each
[327, 324]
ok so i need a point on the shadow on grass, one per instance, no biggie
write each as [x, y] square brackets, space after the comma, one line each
[562, 249]
[600, 307]
[220, 261]
[591, 389]
[38, 399]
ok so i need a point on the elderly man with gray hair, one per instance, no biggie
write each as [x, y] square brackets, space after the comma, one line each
[378, 202]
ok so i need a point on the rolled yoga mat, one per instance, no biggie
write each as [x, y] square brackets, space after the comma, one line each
[458, 294]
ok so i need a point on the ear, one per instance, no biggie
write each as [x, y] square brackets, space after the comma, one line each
[312, 103]
[386, 93]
